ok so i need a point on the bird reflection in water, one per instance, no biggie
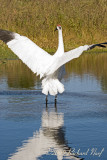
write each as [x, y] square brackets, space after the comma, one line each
[49, 140]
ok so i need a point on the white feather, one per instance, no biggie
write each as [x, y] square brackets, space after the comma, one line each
[52, 86]
[66, 57]
[33, 56]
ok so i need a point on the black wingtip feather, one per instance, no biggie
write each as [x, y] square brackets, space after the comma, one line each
[6, 36]
[104, 43]
[99, 45]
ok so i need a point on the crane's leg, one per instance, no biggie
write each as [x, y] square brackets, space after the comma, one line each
[55, 106]
[55, 99]
[46, 100]
[46, 104]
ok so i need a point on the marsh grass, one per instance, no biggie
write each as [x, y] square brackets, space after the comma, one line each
[83, 22]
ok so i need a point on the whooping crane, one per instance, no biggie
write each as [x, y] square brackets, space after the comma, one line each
[49, 67]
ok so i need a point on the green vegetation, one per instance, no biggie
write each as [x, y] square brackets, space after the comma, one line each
[83, 21]
[6, 53]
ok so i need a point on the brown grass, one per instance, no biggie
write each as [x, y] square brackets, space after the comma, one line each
[83, 21]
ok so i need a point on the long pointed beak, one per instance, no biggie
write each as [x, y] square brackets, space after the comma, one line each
[55, 29]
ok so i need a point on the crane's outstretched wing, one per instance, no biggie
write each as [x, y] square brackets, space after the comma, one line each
[32, 55]
[68, 56]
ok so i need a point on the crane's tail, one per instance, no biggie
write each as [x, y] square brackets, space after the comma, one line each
[52, 86]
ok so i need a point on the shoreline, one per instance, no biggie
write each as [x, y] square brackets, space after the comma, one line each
[7, 54]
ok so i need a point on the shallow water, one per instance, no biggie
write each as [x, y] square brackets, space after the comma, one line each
[74, 128]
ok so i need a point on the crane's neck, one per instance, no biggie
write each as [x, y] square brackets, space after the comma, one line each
[60, 50]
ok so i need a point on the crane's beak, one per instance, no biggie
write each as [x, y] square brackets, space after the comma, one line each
[55, 29]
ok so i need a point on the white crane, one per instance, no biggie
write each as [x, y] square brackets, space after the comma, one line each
[49, 67]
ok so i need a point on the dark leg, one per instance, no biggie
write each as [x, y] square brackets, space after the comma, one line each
[46, 100]
[55, 99]
[55, 106]
[46, 103]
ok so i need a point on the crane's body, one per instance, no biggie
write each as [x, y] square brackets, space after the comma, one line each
[49, 67]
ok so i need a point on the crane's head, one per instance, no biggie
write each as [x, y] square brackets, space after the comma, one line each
[58, 27]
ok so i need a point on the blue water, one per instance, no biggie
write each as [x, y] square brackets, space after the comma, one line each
[74, 128]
